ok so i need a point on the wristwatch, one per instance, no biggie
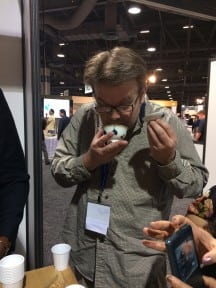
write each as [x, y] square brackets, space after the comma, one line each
[4, 246]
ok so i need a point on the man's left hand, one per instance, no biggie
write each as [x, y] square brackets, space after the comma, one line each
[162, 140]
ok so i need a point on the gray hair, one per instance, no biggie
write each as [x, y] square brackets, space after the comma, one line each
[115, 67]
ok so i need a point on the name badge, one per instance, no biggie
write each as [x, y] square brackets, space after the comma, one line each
[97, 218]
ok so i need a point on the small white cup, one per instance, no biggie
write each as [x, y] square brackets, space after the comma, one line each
[12, 271]
[75, 286]
[119, 131]
[61, 253]
[14, 285]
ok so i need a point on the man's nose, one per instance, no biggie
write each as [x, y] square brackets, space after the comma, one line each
[115, 114]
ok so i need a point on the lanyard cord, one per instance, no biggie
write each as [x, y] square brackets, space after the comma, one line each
[142, 113]
[103, 180]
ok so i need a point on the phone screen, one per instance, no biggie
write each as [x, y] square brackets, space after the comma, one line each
[186, 258]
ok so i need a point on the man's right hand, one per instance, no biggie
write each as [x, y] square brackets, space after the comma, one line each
[100, 152]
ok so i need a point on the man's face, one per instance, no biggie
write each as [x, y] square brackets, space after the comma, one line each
[115, 96]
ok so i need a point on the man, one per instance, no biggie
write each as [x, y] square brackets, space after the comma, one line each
[43, 143]
[51, 124]
[199, 131]
[123, 185]
[63, 122]
[14, 180]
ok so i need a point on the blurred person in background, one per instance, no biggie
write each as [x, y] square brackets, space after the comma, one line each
[51, 123]
[63, 122]
[199, 130]
[43, 143]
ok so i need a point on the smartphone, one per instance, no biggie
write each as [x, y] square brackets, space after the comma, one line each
[153, 116]
[183, 258]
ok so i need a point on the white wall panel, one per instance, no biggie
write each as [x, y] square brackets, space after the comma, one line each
[210, 148]
[10, 18]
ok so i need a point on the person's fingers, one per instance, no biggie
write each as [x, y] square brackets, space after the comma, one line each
[156, 245]
[167, 127]
[98, 138]
[161, 132]
[99, 133]
[179, 220]
[162, 225]
[209, 282]
[210, 257]
[207, 238]
[105, 138]
[175, 282]
[157, 234]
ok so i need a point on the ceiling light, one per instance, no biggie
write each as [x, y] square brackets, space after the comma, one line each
[169, 95]
[166, 87]
[164, 80]
[144, 31]
[151, 49]
[61, 83]
[188, 26]
[134, 10]
[152, 79]
[159, 69]
[168, 92]
[60, 55]
[61, 44]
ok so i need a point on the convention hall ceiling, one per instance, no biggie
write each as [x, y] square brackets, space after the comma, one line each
[88, 26]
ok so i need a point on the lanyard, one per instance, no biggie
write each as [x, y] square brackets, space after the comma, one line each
[103, 179]
[142, 112]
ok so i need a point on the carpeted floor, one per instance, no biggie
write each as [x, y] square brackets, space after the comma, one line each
[55, 202]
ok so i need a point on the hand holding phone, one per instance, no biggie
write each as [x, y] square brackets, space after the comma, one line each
[183, 257]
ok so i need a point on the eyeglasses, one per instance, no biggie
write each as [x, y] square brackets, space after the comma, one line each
[122, 109]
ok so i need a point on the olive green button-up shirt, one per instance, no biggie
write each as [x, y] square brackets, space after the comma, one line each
[138, 190]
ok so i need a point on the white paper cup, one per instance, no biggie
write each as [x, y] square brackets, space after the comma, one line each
[12, 270]
[119, 131]
[75, 286]
[61, 253]
[14, 285]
